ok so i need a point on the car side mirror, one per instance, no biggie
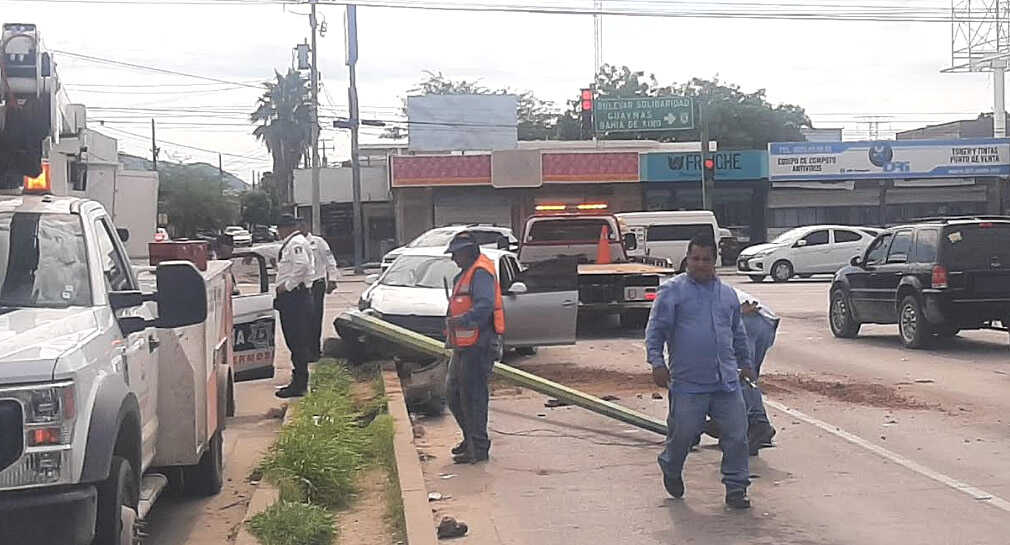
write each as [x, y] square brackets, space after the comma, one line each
[630, 242]
[125, 299]
[124, 234]
[371, 279]
[182, 294]
[800, 243]
[132, 324]
[856, 261]
[518, 288]
[503, 243]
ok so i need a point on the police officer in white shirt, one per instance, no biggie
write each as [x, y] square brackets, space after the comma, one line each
[294, 302]
[324, 281]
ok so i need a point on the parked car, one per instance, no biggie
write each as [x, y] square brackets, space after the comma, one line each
[666, 234]
[239, 236]
[803, 252]
[540, 309]
[161, 235]
[933, 279]
[262, 233]
[439, 237]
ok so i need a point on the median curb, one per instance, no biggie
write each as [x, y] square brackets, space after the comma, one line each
[420, 527]
[264, 496]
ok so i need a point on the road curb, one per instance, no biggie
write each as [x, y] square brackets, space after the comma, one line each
[263, 496]
[420, 527]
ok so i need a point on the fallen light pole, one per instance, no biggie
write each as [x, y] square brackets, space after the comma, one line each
[414, 343]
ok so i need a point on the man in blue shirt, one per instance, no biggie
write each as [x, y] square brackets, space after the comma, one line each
[697, 319]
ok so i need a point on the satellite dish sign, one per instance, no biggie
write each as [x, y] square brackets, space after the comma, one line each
[462, 122]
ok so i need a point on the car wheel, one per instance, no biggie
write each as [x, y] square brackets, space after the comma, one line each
[526, 351]
[913, 328]
[843, 325]
[756, 277]
[782, 271]
[118, 496]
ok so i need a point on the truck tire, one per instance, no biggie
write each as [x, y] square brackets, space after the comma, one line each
[118, 496]
[843, 324]
[914, 330]
[634, 319]
[207, 477]
[526, 351]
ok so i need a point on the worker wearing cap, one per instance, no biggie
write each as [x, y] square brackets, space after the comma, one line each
[324, 281]
[475, 323]
[294, 302]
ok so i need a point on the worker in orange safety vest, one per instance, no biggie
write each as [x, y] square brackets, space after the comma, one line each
[475, 325]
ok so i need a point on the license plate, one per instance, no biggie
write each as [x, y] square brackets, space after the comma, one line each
[634, 294]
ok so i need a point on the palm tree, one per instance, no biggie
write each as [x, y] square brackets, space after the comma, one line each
[284, 119]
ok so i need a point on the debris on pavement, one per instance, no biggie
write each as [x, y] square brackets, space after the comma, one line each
[657, 395]
[553, 403]
[450, 528]
[924, 381]
[611, 398]
[437, 496]
[446, 476]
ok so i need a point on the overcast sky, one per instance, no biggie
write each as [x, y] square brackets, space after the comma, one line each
[838, 71]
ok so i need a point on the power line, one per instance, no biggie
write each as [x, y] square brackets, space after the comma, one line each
[186, 146]
[114, 62]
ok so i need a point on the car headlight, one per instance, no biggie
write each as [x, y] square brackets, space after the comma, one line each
[48, 413]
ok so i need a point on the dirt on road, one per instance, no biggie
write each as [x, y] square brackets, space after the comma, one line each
[874, 395]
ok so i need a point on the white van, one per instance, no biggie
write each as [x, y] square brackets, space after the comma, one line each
[667, 233]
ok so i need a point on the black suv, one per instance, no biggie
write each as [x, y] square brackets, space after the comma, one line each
[933, 278]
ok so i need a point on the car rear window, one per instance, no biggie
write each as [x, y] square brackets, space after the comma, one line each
[681, 233]
[974, 246]
[569, 230]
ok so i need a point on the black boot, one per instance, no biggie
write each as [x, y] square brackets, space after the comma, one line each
[297, 388]
[470, 458]
[737, 498]
[674, 486]
[460, 448]
[759, 436]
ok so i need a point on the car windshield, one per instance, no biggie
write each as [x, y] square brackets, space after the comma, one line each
[434, 238]
[569, 230]
[417, 271]
[43, 262]
[789, 236]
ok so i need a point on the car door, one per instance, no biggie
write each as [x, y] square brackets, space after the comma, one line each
[811, 254]
[860, 291]
[254, 318]
[541, 303]
[884, 279]
[845, 244]
[139, 349]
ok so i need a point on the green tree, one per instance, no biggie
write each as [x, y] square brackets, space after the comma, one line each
[256, 208]
[536, 117]
[193, 202]
[283, 117]
[736, 119]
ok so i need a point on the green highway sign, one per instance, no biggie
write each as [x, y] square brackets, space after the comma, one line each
[644, 114]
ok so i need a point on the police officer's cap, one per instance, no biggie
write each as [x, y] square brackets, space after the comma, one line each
[287, 220]
[462, 241]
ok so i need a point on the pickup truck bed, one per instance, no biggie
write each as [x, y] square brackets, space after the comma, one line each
[624, 268]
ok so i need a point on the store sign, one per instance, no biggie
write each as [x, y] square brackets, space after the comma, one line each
[440, 170]
[898, 159]
[686, 167]
[590, 167]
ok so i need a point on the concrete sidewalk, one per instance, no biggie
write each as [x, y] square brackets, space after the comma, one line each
[565, 476]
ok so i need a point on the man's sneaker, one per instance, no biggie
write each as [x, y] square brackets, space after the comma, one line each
[459, 449]
[467, 458]
[674, 486]
[289, 391]
[737, 499]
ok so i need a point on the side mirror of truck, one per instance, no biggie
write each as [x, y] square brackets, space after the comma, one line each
[125, 299]
[182, 294]
[630, 242]
[856, 261]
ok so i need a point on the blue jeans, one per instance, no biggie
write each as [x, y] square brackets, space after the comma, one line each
[685, 421]
[761, 336]
[468, 394]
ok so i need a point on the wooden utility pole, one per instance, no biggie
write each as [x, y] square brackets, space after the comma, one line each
[154, 148]
[351, 33]
[317, 224]
[220, 174]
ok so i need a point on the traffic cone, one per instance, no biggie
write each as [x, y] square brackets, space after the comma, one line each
[603, 247]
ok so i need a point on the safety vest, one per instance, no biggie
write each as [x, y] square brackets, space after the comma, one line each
[462, 302]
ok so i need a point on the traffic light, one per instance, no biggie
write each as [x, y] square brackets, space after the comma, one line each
[587, 114]
[709, 168]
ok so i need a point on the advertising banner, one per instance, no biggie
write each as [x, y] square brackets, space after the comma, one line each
[686, 167]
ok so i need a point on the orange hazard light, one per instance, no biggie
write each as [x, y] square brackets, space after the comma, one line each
[40, 184]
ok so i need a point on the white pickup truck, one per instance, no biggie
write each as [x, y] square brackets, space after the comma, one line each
[113, 384]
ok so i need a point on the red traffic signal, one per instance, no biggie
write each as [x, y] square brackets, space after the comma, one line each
[587, 100]
[709, 164]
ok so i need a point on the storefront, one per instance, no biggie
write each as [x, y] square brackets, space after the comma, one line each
[672, 181]
[884, 183]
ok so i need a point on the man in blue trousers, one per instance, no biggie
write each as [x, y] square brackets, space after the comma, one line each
[698, 320]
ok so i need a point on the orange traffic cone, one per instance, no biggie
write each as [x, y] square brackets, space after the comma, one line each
[603, 247]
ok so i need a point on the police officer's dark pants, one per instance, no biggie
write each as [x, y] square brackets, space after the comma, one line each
[468, 394]
[316, 320]
[295, 307]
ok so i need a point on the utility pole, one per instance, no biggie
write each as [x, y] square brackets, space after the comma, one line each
[220, 174]
[706, 190]
[351, 34]
[317, 224]
[154, 147]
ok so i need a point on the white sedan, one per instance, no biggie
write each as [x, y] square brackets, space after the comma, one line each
[541, 305]
[804, 251]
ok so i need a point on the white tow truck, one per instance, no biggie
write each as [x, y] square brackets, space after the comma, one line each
[115, 380]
